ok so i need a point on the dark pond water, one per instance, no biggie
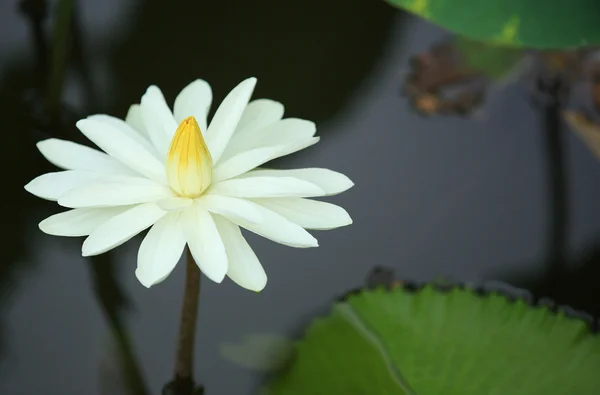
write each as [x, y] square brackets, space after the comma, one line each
[466, 199]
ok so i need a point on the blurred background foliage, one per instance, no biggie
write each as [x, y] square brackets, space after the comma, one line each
[555, 24]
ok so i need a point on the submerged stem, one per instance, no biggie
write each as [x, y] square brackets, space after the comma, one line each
[37, 11]
[113, 302]
[60, 49]
[557, 182]
[183, 382]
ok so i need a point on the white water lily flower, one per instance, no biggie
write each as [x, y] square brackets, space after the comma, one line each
[192, 184]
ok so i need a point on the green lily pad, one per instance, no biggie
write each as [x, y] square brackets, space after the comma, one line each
[550, 24]
[430, 342]
[492, 60]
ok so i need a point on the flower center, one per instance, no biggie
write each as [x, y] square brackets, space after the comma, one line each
[189, 164]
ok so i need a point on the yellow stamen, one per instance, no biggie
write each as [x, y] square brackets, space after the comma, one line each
[189, 164]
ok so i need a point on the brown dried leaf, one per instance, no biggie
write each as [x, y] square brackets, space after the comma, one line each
[586, 129]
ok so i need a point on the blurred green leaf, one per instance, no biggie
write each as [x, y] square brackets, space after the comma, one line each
[551, 24]
[491, 60]
[264, 352]
[431, 342]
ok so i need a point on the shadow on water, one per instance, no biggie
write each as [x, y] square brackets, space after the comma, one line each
[574, 285]
[27, 121]
[565, 281]
[311, 55]
[20, 162]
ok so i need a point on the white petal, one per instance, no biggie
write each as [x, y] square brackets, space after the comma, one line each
[158, 119]
[226, 118]
[194, 100]
[231, 207]
[106, 194]
[280, 132]
[127, 130]
[72, 156]
[244, 267]
[310, 214]
[52, 186]
[258, 187]
[160, 250]
[258, 114]
[278, 229]
[123, 148]
[136, 121]
[249, 160]
[330, 181]
[205, 243]
[121, 228]
[78, 222]
[284, 131]
[174, 203]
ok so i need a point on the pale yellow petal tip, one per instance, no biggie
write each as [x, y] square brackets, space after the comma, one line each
[189, 163]
[259, 290]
